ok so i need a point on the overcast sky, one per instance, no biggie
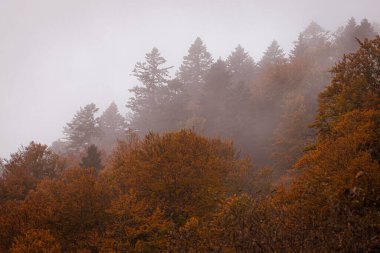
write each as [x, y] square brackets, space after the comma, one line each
[56, 56]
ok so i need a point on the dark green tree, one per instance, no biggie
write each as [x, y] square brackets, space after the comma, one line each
[92, 159]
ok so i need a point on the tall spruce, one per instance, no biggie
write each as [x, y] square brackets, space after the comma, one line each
[214, 99]
[312, 39]
[113, 127]
[151, 94]
[82, 130]
[195, 65]
[273, 55]
[92, 159]
[241, 66]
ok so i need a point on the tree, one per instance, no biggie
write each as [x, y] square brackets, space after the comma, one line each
[273, 55]
[336, 196]
[226, 108]
[152, 94]
[268, 89]
[355, 85]
[195, 65]
[292, 133]
[239, 117]
[12, 222]
[192, 74]
[241, 66]
[135, 226]
[181, 173]
[82, 130]
[36, 240]
[243, 224]
[346, 40]
[92, 159]
[26, 168]
[2, 167]
[113, 127]
[365, 30]
[213, 102]
[72, 207]
[152, 77]
[312, 39]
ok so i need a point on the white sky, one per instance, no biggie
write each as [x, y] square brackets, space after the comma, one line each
[56, 56]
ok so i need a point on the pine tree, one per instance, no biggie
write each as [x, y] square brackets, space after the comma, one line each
[113, 127]
[239, 117]
[241, 66]
[312, 39]
[83, 129]
[195, 65]
[345, 40]
[150, 73]
[214, 98]
[273, 55]
[191, 74]
[292, 133]
[365, 30]
[151, 94]
[92, 159]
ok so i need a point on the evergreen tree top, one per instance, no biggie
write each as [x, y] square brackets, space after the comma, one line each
[151, 73]
[273, 55]
[196, 64]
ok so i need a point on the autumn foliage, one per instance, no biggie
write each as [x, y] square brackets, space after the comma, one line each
[181, 191]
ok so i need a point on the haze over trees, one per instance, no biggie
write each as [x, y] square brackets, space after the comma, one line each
[278, 155]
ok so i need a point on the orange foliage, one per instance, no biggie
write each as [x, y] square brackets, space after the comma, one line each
[181, 173]
[36, 241]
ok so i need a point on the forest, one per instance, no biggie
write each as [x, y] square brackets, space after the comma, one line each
[220, 155]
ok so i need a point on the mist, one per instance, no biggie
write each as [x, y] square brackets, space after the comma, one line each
[56, 56]
[189, 126]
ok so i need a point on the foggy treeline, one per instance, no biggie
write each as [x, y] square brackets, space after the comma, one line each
[226, 155]
[264, 107]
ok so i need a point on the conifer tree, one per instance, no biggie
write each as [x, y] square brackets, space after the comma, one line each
[214, 97]
[241, 66]
[291, 134]
[92, 159]
[312, 39]
[273, 55]
[365, 30]
[83, 129]
[152, 93]
[113, 127]
[195, 65]
[345, 40]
